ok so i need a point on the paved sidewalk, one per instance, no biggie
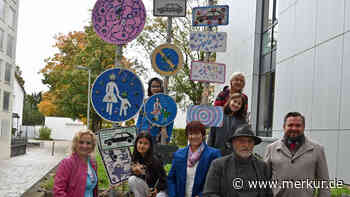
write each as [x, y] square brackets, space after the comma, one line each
[20, 173]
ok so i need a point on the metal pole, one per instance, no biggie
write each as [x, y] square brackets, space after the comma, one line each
[205, 94]
[118, 55]
[168, 40]
[88, 110]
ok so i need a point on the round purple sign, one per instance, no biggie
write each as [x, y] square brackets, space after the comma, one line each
[118, 21]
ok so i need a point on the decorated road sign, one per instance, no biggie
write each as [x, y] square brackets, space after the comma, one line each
[169, 8]
[118, 22]
[160, 109]
[207, 72]
[117, 137]
[117, 163]
[210, 15]
[208, 41]
[167, 59]
[209, 116]
[117, 95]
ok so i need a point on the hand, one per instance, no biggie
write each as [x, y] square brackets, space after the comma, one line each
[163, 132]
[152, 192]
[138, 169]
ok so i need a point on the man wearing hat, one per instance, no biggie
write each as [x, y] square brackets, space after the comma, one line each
[229, 175]
[297, 160]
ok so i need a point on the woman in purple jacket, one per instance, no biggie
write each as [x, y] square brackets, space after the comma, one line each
[77, 175]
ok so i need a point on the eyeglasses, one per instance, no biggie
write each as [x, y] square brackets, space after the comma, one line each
[155, 86]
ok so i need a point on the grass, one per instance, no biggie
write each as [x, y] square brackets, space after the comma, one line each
[339, 191]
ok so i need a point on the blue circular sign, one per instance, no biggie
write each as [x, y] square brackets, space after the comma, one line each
[117, 95]
[167, 59]
[160, 109]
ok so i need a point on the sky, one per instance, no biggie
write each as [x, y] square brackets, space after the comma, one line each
[38, 23]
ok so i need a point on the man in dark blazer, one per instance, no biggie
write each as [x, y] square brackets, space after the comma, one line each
[229, 176]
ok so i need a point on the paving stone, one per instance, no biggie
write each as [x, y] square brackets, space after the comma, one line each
[18, 174]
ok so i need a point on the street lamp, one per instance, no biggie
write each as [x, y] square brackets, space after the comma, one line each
[88, 110]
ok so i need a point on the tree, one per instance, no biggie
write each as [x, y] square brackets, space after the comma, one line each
[31, 114]
[68, 91]
[19, 78]
[154, 33]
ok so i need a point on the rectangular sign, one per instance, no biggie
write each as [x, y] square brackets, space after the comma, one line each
[117, 137]
[208, 72]
[169, 8]
[208, 41]
[117, 163]
[210, 15]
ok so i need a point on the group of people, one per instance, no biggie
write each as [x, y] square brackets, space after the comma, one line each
[221, 166]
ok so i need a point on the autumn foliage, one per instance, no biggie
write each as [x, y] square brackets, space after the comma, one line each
[68, 86]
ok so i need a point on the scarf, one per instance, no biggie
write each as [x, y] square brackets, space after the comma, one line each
[294, 143]
[193, 158]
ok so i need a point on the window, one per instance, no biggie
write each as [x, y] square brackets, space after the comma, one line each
[11, 17]
[2, 37]
[8, 73]
[266, 67]
[10, 45]
[2, 9]
[6, 101]
[5, 127]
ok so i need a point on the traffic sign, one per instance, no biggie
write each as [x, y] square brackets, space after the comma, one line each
[169, 8]
[118, 22]
[117, 95]
[167, 59]
[160, 109]
[210, 15]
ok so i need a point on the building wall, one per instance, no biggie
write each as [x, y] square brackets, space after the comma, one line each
[63, 128]
[18, 102]
[312, 69]
[313, 74]
[8, 36]
[239, 56]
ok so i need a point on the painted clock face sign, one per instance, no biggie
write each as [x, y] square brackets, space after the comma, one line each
[160, 109]
[117, 95]
[167, 59]
[118, 21]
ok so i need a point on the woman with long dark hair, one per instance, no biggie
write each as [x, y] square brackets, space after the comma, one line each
[148, 175]
[155, 85]
[234, 117]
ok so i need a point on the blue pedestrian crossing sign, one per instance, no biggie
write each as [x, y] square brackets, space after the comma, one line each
[117, 95]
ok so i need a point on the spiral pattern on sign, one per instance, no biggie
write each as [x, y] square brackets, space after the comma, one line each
[208, 115]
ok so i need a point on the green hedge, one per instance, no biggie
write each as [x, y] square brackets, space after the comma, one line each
[179, 137]
[44, 133]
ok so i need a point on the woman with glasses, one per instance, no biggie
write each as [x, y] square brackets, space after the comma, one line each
[155, 85]
[77, 175]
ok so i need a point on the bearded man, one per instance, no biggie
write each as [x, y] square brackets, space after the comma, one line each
[229, 176]
[295, 162]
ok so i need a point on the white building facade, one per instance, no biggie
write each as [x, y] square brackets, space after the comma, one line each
[8, 36]
[296, 56]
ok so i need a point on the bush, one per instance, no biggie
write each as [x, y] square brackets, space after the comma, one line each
[44, 133]
[179, 137]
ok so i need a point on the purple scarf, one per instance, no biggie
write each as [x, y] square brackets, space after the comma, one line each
[192, 158]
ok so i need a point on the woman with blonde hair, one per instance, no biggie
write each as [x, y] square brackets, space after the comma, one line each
[77, 174]
[237, 84]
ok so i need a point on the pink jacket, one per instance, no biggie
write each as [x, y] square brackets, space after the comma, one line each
[70, 179]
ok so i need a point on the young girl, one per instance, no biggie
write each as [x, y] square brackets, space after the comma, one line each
[234, 117]
[148, 175]
[155, 85]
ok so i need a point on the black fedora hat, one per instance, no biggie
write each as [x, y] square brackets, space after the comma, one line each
[245, 131]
